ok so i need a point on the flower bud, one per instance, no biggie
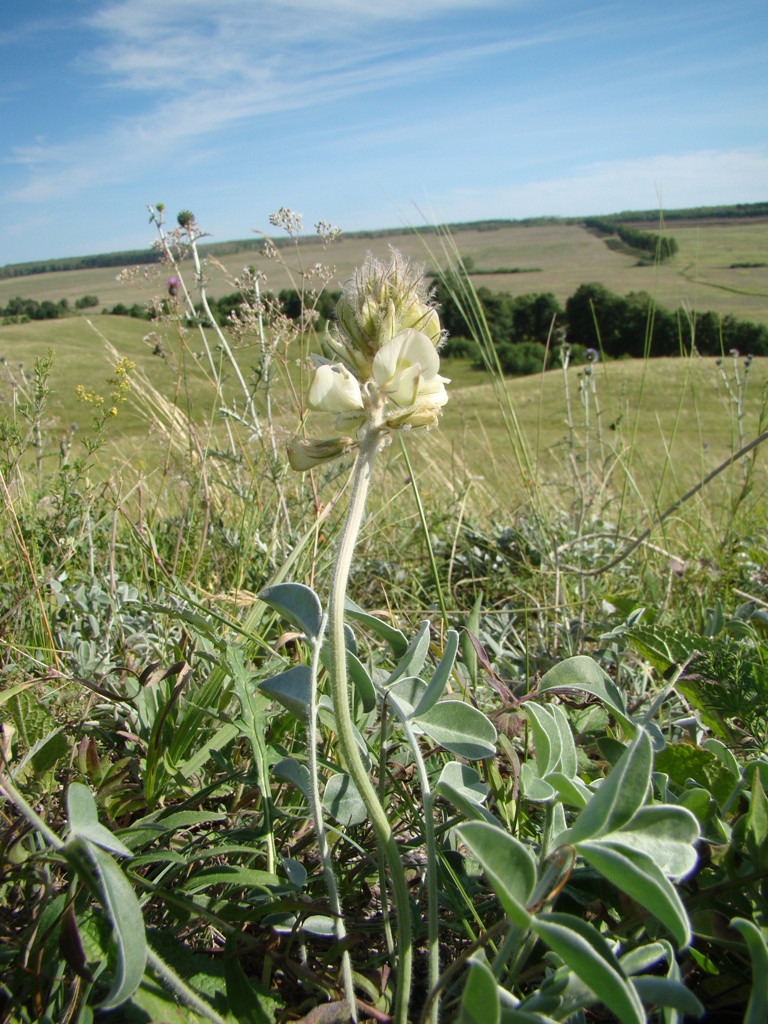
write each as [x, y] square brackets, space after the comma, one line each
[305, 454]
[378, 304]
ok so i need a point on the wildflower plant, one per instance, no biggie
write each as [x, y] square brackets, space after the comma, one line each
[384, 378]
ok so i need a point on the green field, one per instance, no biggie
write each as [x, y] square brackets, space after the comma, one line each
[699, 277]
[660, 422]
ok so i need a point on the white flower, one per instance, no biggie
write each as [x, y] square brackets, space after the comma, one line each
[403, 374]
[405, 370]
[334, 389]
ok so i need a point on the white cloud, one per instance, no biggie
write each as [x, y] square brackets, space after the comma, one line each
[704, 178]
[208, 69]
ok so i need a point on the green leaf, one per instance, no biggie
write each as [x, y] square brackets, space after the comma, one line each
[357, 671]
[568, 757]
[297, 603]
[342, 800]
[656, 991]
[756, 828]
[83, 816]
[572, 791]
[463, 779]
[413, 660]
[509, 866]
[662, 647]
[533, 788]
[292, 689]
[757, 1008]
[480, 1002]
[460, 728]
[43, 755]
[361, 681]
[441, 675]
[405, 694]
[620, 796]
[590, 957]
[463, 787]
[642, 958]
[681, 762]
[124, 912]
[637, 875]
[583, 673]
[396, 640]
[289, 770]
[223, 736]
[234, 876]
[546, 737]
[667, 835]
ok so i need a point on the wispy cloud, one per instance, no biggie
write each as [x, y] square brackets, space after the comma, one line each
[206, 69]
[703, 178]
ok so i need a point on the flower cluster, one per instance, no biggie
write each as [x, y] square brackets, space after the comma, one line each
[385, 374]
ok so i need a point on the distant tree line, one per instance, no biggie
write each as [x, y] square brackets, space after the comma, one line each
[526, 330]
[593, 318]
[635, 326]
[649, 243]
[732, 211]
[134, 257]
[19, 310]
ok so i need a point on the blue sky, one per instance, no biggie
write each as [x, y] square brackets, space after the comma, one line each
[369, 113]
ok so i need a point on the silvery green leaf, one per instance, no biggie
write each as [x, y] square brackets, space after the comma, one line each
[441, 675]
[463, 787]
[396, 640]
[590, 957]
[636, 874]
[480, 1003]
[124, 913]
[667, 835]
[460, 728]
[547, 740]
[405, 694]
[620, 796]
[84, 821]
[509, 866]
[292, 689]
[413, 660]
[289, 770]
[343, 802]
[297, 603]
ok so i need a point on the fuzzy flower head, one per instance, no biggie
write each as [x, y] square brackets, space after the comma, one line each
[386, 373]
[378, 303]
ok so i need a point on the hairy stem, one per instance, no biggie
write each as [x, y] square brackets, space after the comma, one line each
[433, 923]
[345, 731]
[316, 810]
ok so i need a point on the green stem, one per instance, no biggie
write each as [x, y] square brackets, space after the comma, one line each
[180, 989]
[316, 810]
[361, 479]
[385, 915]
[433, 924]
[12, 794]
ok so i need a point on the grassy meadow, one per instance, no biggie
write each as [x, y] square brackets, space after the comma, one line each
[467, 725]
[564, 256]
[660, 420]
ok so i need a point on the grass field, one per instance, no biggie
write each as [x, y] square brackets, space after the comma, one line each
[662, 422]
[700, 276]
